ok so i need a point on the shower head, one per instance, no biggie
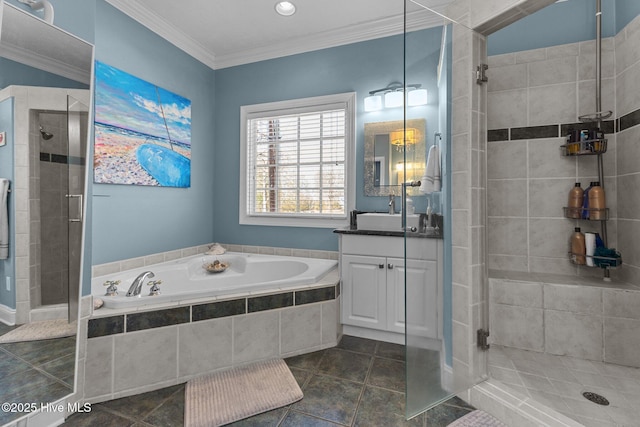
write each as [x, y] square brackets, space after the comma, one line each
[45, 135]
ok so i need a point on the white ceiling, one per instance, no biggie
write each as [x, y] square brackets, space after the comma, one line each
[226, 33]
[28, 40]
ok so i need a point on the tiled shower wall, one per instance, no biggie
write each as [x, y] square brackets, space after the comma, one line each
[534, 96]
[628, 153]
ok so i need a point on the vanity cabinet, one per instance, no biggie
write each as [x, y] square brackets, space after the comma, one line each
[373, 271]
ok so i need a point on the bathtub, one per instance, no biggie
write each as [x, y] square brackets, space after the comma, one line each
[185, 279]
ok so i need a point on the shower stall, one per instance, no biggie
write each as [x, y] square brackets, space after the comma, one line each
[561, 336]
[555, 342]
[58, 144]
[49, 151]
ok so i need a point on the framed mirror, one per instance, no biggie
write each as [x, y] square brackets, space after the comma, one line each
[386, 147]
[46, 85]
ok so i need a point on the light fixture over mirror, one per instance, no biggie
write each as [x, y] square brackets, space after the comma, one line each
[394, 96]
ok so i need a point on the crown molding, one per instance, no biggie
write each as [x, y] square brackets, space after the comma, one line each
[353, 34]
[29, 40]
[46, 63]
[166, 30]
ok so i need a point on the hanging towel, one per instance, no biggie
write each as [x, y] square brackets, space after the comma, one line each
[4, 219]
[431, 179]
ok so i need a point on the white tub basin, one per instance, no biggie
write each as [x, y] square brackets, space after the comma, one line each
[386, 222]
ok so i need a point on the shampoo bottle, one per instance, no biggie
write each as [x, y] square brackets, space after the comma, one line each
[576, 199]
[597, 202]
[578, 247]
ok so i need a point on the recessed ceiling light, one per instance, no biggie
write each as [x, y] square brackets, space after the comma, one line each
[285, 8]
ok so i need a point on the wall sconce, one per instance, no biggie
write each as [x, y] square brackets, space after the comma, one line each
[394, 96]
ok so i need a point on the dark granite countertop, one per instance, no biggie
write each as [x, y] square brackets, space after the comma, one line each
[429, 235]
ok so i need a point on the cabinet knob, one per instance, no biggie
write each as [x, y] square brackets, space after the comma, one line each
[389, 266]
[380, 265]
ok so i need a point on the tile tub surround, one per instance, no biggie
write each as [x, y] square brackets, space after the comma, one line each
[583, 318]
[168, 355]
[170, 343]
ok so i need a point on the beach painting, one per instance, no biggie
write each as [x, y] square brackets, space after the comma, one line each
[142, 132]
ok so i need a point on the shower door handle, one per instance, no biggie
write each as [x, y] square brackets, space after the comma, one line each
[79, 198]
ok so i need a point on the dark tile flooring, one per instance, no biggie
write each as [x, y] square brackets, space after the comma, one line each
[35, 371]
[358, 383]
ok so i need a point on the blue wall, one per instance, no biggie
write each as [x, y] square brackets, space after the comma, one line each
[626, 11]
[560, 23]
[7, 267]
[360, 68]
[133, 221]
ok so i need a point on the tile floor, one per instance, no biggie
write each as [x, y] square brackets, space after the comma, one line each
[558, 382]
[358, 383]
[35, 371]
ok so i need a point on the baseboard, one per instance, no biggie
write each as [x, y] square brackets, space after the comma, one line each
[373, 334]
[7, 315]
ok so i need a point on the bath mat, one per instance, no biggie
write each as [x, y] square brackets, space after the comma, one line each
[477, 418]
[44, 330]
[231, 395]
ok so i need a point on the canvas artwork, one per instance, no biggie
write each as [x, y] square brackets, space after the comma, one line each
[142, 132]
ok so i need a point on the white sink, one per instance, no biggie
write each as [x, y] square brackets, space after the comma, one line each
[386, 222]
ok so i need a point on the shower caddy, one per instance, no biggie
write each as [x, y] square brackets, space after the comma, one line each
[591, 147]
[595, 146]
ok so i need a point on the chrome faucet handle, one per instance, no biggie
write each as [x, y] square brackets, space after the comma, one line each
[155, 289]
[112, 289]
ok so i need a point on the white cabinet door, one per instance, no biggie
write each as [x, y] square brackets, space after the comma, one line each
[421, 299]
[364, 291]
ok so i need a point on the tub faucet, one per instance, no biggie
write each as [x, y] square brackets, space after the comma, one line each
[392, 204]
[136, 285]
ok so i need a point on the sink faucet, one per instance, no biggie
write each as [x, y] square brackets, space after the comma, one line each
[392, 204]
[136, 285]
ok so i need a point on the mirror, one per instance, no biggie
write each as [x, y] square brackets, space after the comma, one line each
[41, 66]
[393, 155]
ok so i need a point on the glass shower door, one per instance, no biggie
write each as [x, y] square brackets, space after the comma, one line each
[438, 324]
[77, 126]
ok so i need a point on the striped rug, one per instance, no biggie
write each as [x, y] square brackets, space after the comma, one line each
[231, 395]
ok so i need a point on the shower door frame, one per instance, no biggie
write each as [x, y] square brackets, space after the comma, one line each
[76, 156]
[28, 98]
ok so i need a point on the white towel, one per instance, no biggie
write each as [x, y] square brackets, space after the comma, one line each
[4, 219]
[431, 179]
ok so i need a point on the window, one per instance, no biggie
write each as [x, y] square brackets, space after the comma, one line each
[296, 162]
